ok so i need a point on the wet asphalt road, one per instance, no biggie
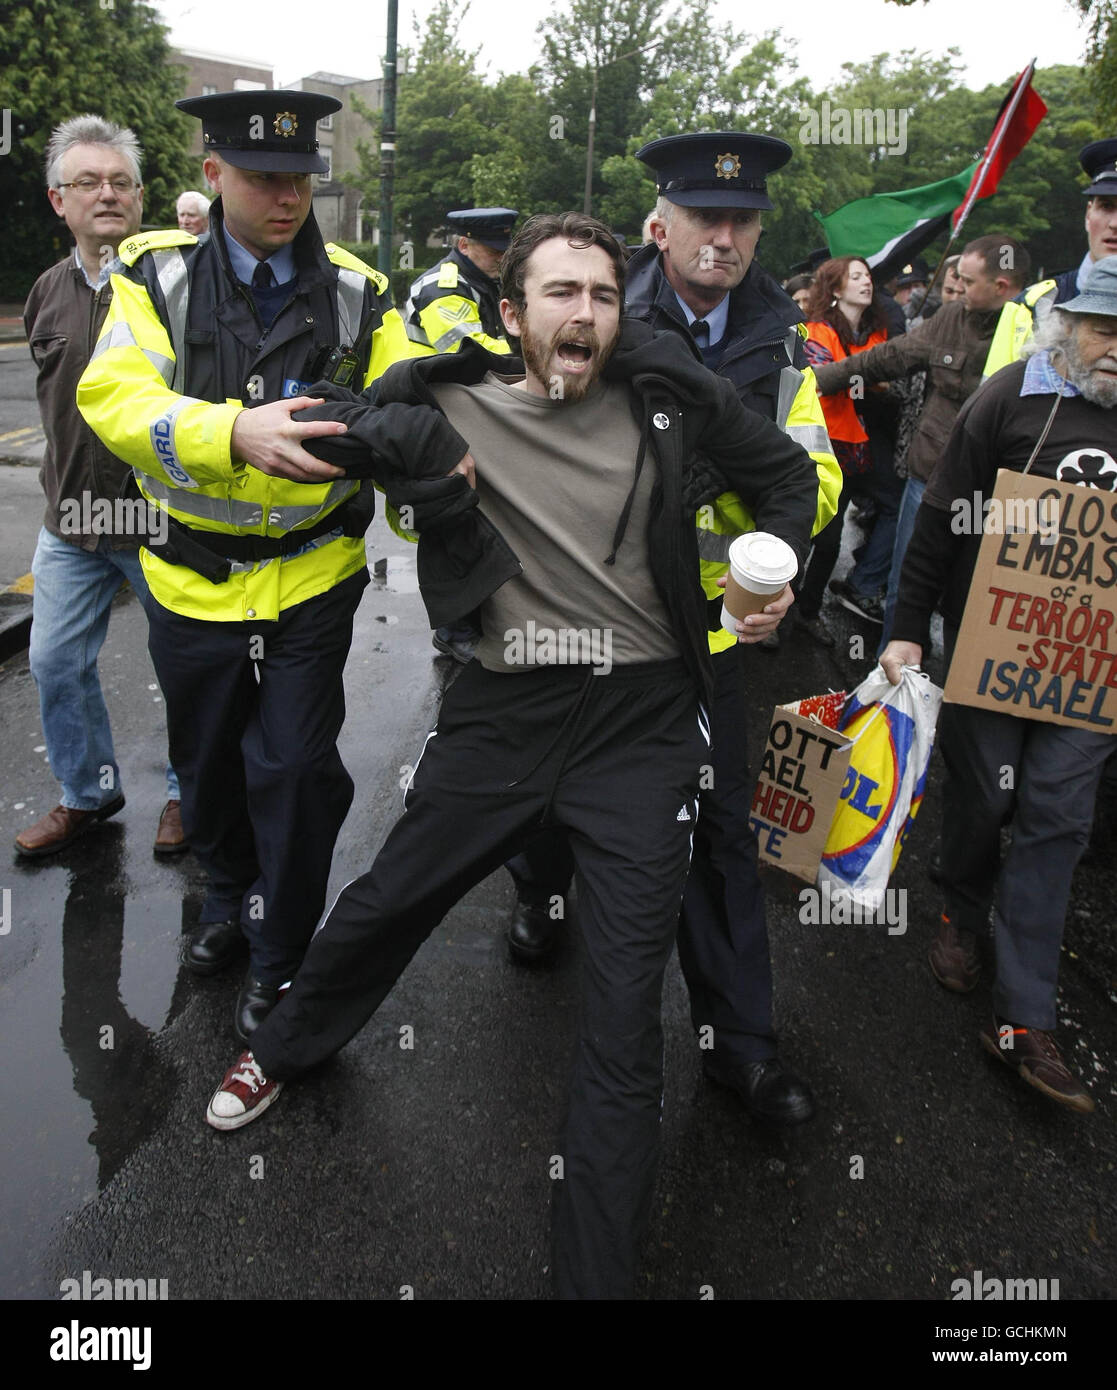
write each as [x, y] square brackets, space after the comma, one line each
[428, 1168]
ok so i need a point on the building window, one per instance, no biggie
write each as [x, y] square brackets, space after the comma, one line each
[208, 89]
[327, 155]
[327, 122]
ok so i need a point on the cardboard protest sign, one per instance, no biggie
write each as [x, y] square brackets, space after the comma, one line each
[801, 777]
[1037, 638]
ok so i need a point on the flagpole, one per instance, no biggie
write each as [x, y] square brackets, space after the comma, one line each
[1022, 84]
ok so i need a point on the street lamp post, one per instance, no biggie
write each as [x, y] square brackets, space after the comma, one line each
[388, 145]
[587, 198]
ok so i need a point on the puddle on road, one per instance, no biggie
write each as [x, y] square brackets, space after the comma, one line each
[88, 977]
[395, 574]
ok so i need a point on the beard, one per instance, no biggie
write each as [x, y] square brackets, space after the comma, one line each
[1095, 387]
[539, 355]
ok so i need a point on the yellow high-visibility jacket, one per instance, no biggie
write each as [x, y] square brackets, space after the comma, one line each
[1014, 328]
[181, 354]
[799, 415]
[452, 301]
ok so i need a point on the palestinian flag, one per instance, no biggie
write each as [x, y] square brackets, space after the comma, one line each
[1021, 111]
[888, 229]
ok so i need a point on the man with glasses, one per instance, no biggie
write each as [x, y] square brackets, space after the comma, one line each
[82, 557]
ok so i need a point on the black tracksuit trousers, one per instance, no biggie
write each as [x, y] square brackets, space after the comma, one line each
[614, 759]
[723, 928]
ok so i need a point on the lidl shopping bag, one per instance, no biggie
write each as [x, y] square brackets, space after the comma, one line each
[891, 729]
[801, 778]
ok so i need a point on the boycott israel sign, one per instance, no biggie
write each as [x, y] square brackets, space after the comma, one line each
[801, 777]
[1037, 638]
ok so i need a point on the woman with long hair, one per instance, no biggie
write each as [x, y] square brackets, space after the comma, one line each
[845, 316]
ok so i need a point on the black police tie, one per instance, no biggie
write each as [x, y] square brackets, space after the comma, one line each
[262, 277]
[701, 330]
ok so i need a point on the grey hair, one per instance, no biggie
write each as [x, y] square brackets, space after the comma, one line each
[663, 209]
[90, 130]
[1054, 329]
[200, 201]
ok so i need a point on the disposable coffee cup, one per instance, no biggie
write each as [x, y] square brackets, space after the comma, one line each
[760, 566]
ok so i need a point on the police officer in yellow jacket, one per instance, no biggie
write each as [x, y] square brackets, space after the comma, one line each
[699, 280]
[459, 297]
[196, 381]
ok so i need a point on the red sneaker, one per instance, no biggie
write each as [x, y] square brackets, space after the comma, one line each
[244, 1094]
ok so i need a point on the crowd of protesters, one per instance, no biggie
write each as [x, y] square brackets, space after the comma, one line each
[567, 428]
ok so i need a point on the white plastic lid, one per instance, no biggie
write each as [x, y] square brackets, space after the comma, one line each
[764, 557]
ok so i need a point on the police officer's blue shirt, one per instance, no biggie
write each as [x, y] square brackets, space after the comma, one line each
[717, 319]
[244, 263]
[268, 301]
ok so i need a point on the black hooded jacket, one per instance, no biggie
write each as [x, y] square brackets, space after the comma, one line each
[700, 438]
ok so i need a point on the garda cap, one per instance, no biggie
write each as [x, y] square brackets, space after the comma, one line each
[490, 226]
[812, 262]
[916, 272]
[1100, 162]
[715, 169]
[270, 130]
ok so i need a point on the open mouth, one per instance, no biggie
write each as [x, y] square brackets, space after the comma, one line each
[574, 356]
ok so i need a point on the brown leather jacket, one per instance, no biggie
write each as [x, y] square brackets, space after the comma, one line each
[63, 317]
[951, 347]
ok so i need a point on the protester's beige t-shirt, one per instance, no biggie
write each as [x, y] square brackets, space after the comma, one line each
[553, 478]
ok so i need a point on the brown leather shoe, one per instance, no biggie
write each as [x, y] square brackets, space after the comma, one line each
[170, 838]
[953, 957]
[1035, 1056]
[61, 827]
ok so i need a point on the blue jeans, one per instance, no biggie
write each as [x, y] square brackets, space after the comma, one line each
[905, 525]
[74, 589]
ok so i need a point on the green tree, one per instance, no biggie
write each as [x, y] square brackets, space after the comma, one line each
[1039, 200]
[947, 127]
[1101, 52]
[618, 41]
[724, 79]
[458, 139]
[63, 58]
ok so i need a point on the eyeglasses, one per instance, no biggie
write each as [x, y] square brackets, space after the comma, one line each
[121, 186]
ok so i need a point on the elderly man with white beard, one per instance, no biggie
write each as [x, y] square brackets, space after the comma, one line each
[1052, 770]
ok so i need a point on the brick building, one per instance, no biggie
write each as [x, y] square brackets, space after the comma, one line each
[336, 206]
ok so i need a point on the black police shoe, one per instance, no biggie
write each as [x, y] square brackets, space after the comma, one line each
[212, 946]
[456, 644]
[254, 1002]
[766, 1090]
[533, 934]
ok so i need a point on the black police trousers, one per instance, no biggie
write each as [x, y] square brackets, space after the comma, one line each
[723, 929]
[615, 760]
[254, 710]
